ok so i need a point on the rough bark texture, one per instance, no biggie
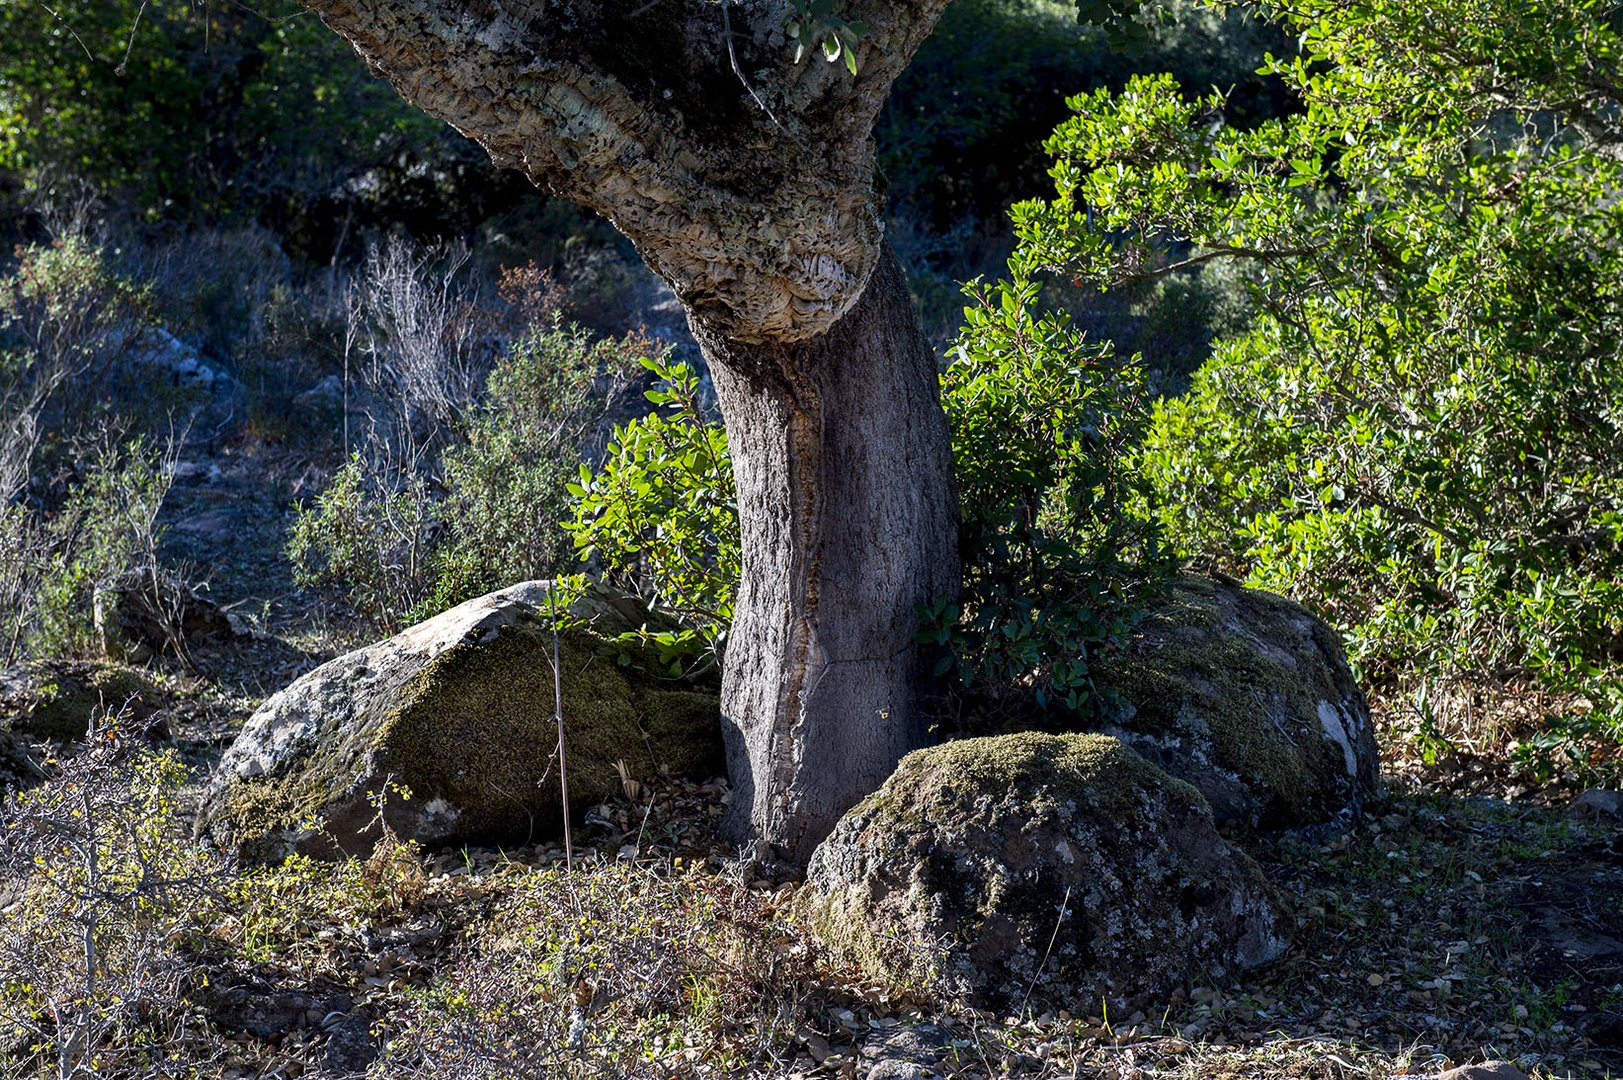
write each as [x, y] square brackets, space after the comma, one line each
[762, 216]
[747, 182]
[846, 503]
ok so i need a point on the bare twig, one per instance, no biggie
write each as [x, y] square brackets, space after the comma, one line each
[1064, 905]
[732, 57]
[558, 714]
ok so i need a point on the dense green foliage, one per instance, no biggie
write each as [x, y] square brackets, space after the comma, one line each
[1421, 432]
[1055, 564]
[70, 327]
[660, 514]
[962, 131]
[190, 112]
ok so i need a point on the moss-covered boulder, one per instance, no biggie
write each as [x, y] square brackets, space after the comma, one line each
[1059, 869]
[55, 700]
[459, 710]
[1248, 697]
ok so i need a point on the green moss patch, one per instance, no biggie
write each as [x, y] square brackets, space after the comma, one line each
[57, 700]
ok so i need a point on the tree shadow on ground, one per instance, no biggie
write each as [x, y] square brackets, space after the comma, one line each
[1472, 927]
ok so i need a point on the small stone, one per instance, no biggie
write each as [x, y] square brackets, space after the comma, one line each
[1596, 804]
[1488, 1070]
[350, 1049]
[142, 613]
[893, 1069]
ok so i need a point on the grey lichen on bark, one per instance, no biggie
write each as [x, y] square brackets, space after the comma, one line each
[765, 220]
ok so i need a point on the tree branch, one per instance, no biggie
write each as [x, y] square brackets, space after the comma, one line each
[756, 202]
[1220, 252]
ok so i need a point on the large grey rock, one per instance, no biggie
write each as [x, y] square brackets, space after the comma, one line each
[459, 710]
[1063, 867]
[1248, 697]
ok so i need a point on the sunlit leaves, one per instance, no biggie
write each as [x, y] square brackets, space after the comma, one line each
[1421, 431]
[661, 516]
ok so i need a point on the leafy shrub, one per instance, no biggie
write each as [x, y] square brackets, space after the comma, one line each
[660, 514]
[107, 526]
[960, 135]
[1056, 569]
[370, 541]
[1419, 431]
[506, 483]
[68, 327]
[81, 479]
[50, 566]
[406, 535]
[190, 110]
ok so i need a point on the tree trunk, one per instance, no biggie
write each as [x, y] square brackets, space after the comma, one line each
[849, 518]
[746, 179]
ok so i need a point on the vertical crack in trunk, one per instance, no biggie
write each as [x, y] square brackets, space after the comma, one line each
[849, 524]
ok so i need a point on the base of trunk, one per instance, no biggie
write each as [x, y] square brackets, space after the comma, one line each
[849, 519]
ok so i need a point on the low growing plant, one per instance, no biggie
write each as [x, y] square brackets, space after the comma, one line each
[94, 955]
[660, 515]
[1056, 565]
[403, 538]
[618, 970]
[49, 567]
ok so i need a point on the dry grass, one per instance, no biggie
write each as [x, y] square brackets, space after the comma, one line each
[1445, 929]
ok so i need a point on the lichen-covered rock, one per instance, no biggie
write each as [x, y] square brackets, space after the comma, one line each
[1066, 868]
[1248, 697]
[56, 699]
[459, 711]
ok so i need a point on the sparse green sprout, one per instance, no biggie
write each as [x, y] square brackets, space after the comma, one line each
[818, 24]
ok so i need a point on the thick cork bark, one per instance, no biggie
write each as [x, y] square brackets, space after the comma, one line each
[850, 522]
[748, 183]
